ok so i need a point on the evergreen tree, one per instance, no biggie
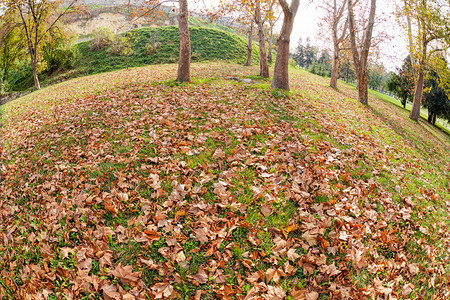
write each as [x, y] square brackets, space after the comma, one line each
[402, 83]
[435, 99]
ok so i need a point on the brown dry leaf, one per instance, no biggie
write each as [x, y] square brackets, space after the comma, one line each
[266, 211]
[297, 293]
[126, 274]
[291, 255]
[154, 181]
[200, 235]
[201, 277]
[310, 238]
[414, 269]
[274, 274]
[275, 293]
[163, 290]
[110, 292]
[198, 295]
[407, 289]
[111, 206]
[128, 297]
[219, 277]
[219, 153]
[64, 251]
[152, 235]
[312, 295]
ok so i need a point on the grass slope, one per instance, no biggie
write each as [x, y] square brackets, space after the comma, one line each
[207, 44]
[128, 184]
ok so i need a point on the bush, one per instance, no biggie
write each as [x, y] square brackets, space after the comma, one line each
[4, 87]
[292, 62]
[151, 49]
[102, 38]
[64, 58]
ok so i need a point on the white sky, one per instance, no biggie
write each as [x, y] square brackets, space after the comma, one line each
[306, 25]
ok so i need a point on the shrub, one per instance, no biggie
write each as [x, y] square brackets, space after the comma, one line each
[292, 62]
[64, 58]
[151, 49]
[102, 38]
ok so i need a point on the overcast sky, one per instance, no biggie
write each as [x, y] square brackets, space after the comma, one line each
[394, 50]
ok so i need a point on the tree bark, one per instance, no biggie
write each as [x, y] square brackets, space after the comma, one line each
[281, 69]
[360, 59]
[418, 92]
[263, 65]
[184, 64]
[37, 84]
[335, 68]
[269, 51]
[249, 46]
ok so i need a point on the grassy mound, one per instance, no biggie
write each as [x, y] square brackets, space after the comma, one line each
[127, 183]
[152, 45]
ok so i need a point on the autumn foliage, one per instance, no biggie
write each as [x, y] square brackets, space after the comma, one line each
[130, 185]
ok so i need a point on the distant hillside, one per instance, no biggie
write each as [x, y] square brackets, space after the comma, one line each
[152, 45]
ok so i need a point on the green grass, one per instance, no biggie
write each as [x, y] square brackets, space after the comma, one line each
[220, 177]
[207, 44]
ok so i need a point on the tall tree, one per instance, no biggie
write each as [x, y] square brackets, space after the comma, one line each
[281, 70]
[430, 19]
[37, 18]
[338, 32]
[360, 57]
[402, 83]
[336, 20]
[185, 43]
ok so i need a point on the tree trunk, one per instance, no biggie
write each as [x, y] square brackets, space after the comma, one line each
[263, 65]
[249, 46]
[415, 110]
[281, 69]
[363, 95]
[37, 85]
[360, 59]
[269, 51]
[335, 68]
[184, 64]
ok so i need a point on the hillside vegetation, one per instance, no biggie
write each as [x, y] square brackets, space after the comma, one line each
[127, 185]
[151, 45]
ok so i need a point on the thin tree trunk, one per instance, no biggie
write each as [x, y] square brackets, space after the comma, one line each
[249, 46]
[263, 65]
[281, 69]
[269, 51]
[37, 84]
[360, 59]
[335, 68]
[184, 64]
[418, 92]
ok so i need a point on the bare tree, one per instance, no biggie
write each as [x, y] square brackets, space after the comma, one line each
[360, 58]
[339, 31]
[281, 70]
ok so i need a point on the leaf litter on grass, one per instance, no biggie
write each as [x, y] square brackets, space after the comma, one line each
[137, 187]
